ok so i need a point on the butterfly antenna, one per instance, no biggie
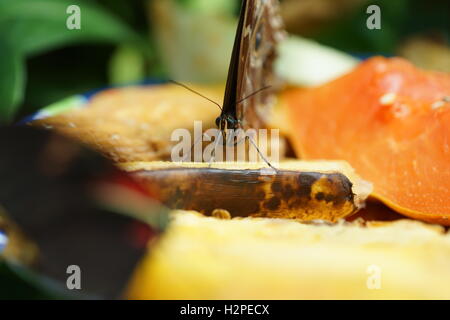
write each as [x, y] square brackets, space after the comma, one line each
[197, 93]
[254, 94]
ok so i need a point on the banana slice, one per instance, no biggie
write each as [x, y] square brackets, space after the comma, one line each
[313, 190]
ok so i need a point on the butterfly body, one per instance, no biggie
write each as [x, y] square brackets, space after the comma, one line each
[251, 82]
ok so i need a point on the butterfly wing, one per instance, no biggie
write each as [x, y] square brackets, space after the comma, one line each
[229, 101]
[262, 30]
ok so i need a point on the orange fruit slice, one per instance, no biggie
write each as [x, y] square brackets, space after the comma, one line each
[391, 122]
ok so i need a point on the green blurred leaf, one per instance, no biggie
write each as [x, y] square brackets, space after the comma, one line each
[12, 81]
[209, 6]
[127, 65]
[34, 26]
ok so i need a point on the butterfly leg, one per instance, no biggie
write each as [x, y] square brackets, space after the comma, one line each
[188, 156]
[260, 153]
[216, 144]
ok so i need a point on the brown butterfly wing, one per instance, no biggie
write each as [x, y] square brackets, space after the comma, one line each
[262, 30]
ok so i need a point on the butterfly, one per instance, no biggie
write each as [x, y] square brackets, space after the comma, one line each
[251, 83]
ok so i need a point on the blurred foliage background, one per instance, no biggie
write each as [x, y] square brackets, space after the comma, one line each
[189, 40]
[127, 41]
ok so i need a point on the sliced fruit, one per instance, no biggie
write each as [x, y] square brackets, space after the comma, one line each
[391, 122]
[256, 258]
[300, 190]
[136, 123]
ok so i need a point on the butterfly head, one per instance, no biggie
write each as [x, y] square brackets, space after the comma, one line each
[226, 122]
[229, 126]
